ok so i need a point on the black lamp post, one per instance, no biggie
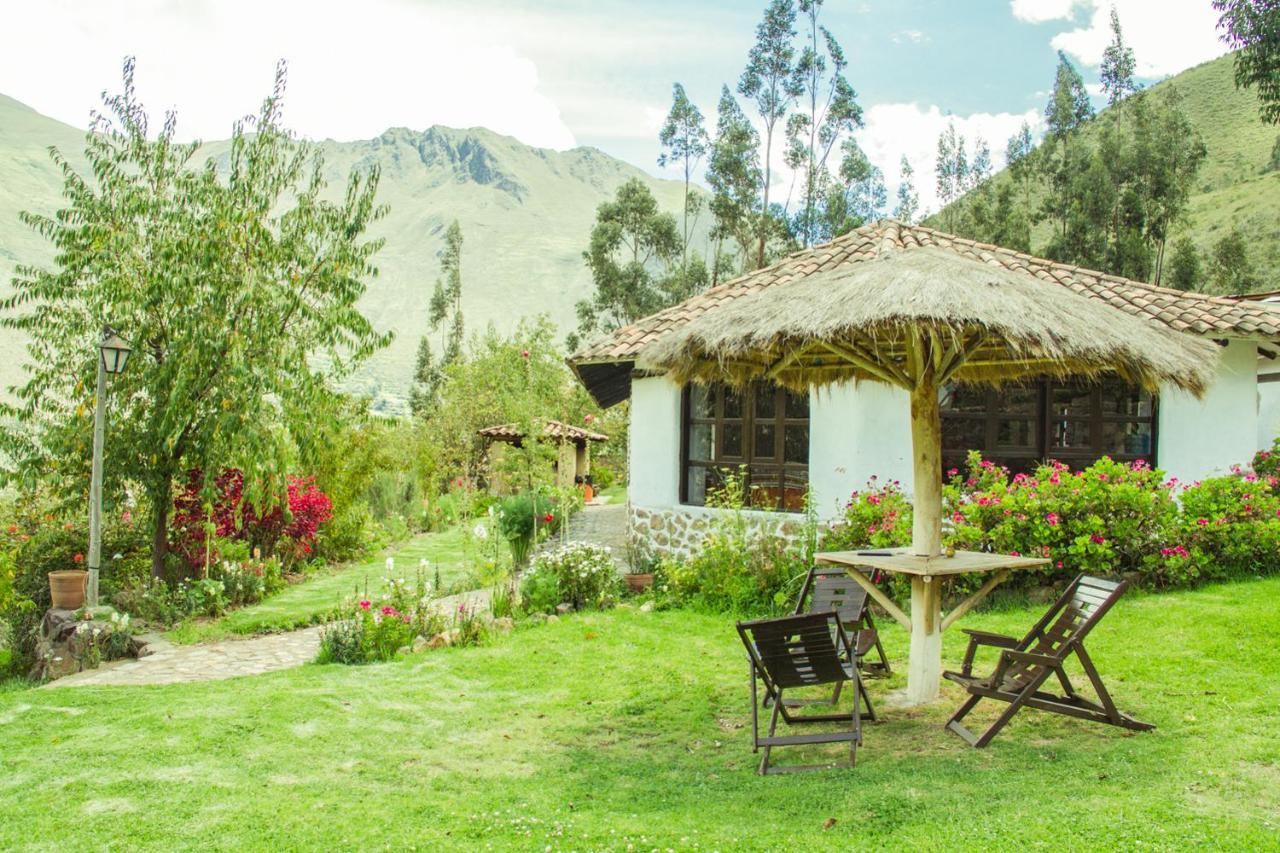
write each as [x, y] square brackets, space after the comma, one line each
[114, 355]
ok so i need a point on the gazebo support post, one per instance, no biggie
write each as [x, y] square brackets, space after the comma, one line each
[924, 669]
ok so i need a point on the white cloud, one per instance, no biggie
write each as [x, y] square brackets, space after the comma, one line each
[353, 70]
[1039, 11]
[894, 130]
[913, 36]
[1167, 36]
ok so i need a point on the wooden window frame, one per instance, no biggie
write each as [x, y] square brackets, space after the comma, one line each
[780, 472]
[1044, 423]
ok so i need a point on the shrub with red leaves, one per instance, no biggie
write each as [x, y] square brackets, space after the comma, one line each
[289, 536]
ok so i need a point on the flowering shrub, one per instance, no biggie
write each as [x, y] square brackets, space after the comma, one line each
[525, 518]
[1105, 519]
[578, 574]
[1266, 465]
[292, 537]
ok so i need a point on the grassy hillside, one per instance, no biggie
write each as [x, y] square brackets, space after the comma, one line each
[525, 212]
[1232, 188]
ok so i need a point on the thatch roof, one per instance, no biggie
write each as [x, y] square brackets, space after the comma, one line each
[551, 429]
[606, 364]
[854, 322]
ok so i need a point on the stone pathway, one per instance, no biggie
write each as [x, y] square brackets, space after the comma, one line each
[598, 524]
[172, 664]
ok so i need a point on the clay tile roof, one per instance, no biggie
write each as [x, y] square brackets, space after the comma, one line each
[1196, 313]
[552, 429]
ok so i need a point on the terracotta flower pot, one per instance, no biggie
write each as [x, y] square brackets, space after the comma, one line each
[639, 582]
[67, 588]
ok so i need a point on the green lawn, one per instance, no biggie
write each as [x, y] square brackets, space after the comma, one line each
[310, 601]
[628, 728]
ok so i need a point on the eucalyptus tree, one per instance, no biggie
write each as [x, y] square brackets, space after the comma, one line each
[733, 172]
[1069, 105]
[1118, 65]
[1252, 27]
[770, 81]
[856, 198]
[236, 281]
[908, 199]
[830, 112]
[684, 143]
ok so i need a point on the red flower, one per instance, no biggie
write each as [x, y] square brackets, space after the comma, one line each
[365, 605]
[13, 528]
[548, 518]
[524, 353]
[79, 558]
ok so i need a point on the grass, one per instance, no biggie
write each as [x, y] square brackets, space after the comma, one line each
[310, 601]
[617, 493]
[627, 728]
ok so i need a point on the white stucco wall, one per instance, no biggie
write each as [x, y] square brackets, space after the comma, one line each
[1268, 404]
[1204, 438]
[855, 432]
[654, 447]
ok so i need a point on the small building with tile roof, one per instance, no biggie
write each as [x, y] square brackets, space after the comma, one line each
[831, 441]
[573, 451]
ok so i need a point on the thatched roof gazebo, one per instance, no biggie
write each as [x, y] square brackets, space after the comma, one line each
[919, 317]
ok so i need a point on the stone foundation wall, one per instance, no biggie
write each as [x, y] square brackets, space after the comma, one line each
[678, 531]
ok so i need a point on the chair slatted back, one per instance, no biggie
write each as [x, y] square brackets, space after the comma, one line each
[793, 651]
[1071, 617]
[829, 588]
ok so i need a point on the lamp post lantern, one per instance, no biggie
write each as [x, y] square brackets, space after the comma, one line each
[113, 356]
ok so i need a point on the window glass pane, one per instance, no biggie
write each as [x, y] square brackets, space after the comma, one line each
[765, 436]
[796, 444]
[962, 398]
[1126, 439]
[696, 485]
[1066, 400]
[732, 446]
[964, 434]
[732, 403]
[702, 401]
[766, 402]
[1071, 435]
[797, 405]
[1126, 400]
[1018, 432]
[702, 442]
[1017, 400]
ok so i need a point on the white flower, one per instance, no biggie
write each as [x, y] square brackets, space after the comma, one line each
[480, 531]
[391, 565]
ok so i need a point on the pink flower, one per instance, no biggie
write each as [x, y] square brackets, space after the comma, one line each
[1097, 539]
[957, 517]
[126, 516]
[1052, 518]
[951, 472]
[1014, 554]
[365, 605]
[1202, 521]
[1059, 564]
[524, 353]
[588, 419]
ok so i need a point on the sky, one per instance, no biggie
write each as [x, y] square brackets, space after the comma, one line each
[563, 73]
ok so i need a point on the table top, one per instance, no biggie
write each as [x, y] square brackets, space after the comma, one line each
[901, 560]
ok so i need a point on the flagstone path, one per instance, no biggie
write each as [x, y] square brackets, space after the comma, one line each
[172, 664]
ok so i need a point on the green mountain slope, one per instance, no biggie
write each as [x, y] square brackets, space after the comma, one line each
[1232, 187]
[525, 212]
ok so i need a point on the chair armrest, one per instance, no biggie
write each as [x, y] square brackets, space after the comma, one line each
[986, 638]
[1015, 656]
[983, 638]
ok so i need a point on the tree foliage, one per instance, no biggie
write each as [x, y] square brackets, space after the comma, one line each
[446, 300]
[1118, 65]
[684, 143]
[1253, 28]
[237, 284]
[733, 172]
[908, 199]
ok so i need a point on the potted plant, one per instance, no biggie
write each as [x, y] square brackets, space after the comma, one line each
[639, 581]
[66, 588]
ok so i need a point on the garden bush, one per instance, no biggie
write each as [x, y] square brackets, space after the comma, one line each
[526, 518]
[579, 574]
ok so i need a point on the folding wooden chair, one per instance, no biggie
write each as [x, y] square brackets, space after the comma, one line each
[802, 651]
[1025, 664]
[830, 588]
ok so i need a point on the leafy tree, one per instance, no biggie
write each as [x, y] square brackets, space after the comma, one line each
[857, 198]
[1118, 65]
[951, 171]
[1231, 268]
[238, 287]
[684, 143]
[1168, 154]
[445, 299]
[830, 113]
[733, 172]
[1069, 105]
[1022, 169]
[631, 252]
[908, 199]
[1186, 271]
[770, 81]
[1252, 27]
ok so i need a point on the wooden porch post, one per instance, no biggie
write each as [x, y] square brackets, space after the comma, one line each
[925, 663]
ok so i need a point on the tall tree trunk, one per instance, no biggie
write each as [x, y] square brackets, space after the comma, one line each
[162, 500]
[764, 207]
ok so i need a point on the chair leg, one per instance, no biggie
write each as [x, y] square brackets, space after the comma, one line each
[773, 728]
[884, 658]
[955, 725]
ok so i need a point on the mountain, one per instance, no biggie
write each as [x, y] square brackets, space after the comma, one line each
[1234, 186]
[526, 214]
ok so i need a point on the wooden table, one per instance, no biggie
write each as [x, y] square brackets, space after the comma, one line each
[926, 623]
